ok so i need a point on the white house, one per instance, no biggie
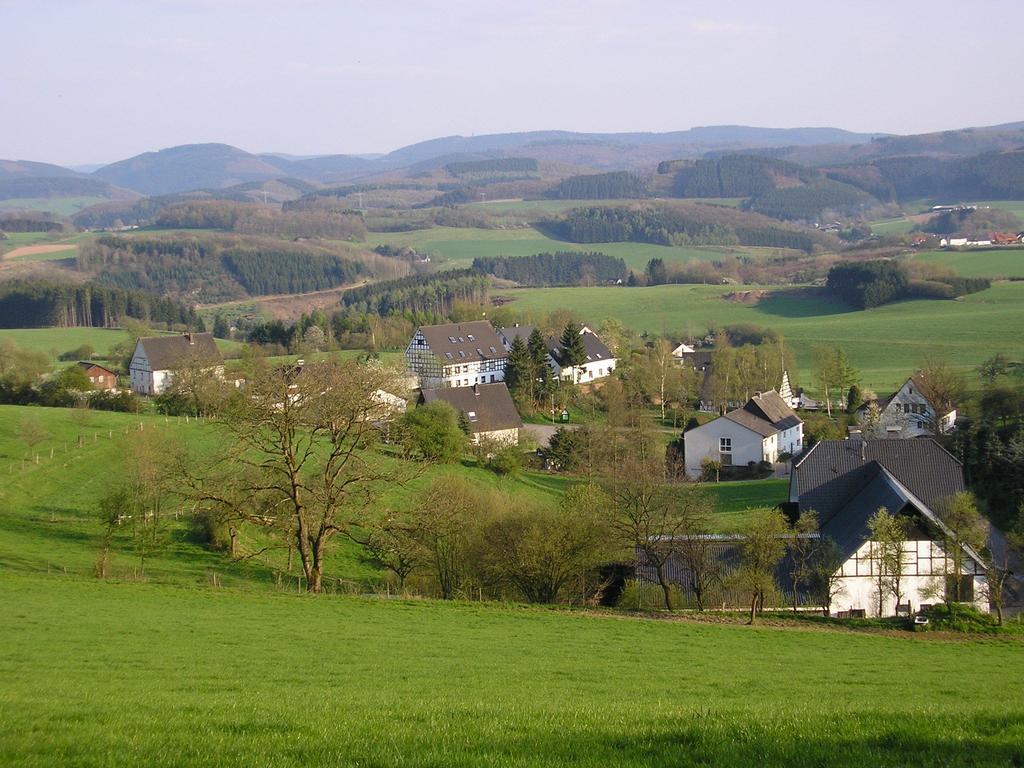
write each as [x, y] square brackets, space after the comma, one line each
[600, 361]
[488, 410]
[456, 355]
[845, 482]
[599, 364]
[912, 411]
[763, 429]
[155, 358]
[682, 348]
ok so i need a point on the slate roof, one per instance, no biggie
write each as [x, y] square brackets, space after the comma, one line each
[833, 472]
[517, 331]
[751, 421]
[488, 407]
[596, 350]
[163, 352]
[465, 342]
[772, 408]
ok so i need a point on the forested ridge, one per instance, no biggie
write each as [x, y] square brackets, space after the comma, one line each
[426, 294]
[42, 303]
[559, 268]
[216, 267]
[669, 225]
[602, 186]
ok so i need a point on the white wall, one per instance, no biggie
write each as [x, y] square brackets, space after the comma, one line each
[792, 440]
[703, 442]
[925, 565]
[503, 436]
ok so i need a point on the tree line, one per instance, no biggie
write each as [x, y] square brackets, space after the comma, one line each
[676, 226]
[216, 267]
[436, 293]
[867, 284]
[602, 186]
[256, 219]
[559, 268]
[503, 165]
[40, 303]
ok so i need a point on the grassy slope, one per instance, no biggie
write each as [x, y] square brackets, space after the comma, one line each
[64, 339]
[458, 247]
[62, 206]
[48, 510]
[885, 343]
[96, 674]
[993, 263]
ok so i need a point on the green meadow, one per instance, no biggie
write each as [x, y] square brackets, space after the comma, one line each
[107, 674]
[988, 262]
[457, 247]
[62, 206]
[50, 340]
[885, 343]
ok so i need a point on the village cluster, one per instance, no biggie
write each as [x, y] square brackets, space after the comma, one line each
[889, 459]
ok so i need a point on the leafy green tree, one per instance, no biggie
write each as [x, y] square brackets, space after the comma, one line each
[887, 553]
[762, 548]
[432, 431]
[965, 527]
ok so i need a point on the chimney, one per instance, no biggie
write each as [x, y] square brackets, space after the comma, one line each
[191, 338]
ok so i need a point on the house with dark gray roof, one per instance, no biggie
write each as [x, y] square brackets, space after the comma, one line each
[760, 431]
[914, 410]
[599, 363]
[487, 409]
[845, 482]
[456, 355]
[156, 358]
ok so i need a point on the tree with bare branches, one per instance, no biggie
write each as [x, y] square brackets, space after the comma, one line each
[299, 456]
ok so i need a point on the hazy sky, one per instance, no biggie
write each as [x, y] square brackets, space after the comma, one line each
[91, 81]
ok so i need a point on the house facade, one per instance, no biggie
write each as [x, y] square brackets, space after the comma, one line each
[155, 358]
[599, 363]
[762, 430]
[456, 355]
[912, 411]
[845, 482]
[487, 410]
[101, 378]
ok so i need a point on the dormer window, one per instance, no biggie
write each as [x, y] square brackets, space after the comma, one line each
[449, 355]
[451, 339]
[471, 415]
[462, 340]
[470, 337]
[461, 353]
[479, 351]
[494, 351]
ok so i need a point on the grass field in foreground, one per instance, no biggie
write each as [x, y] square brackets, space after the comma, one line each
[49, 510]
[458, 247]
[99, 674]
[998, 262]
[885, 343]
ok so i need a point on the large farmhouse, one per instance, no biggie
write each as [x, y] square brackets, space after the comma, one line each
[845, 482]
[456, 355]
[599, 364]
[156, 357]
[487, 410]
[763, 429]
[912, 411]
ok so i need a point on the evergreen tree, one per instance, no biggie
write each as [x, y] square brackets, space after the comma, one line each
[221, 329]
[573, 353]
[519, 370]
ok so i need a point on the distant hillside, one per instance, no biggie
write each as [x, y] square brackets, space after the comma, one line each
[191, 166]
[21, 187]
[18, 169]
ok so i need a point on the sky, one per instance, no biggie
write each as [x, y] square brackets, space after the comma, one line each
[91, 81]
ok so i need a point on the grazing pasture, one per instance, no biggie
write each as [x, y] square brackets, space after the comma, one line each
[981, 262]
[50, 340]
[107, 674]
[885, 343]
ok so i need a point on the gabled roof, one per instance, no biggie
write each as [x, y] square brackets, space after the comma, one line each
[464, 342]
[488, 407]
[595, 348]
[772, 408]
[86, 365]
[164, 352]
[919, 381]
[517, 331]
[751, 421]
[833, 472]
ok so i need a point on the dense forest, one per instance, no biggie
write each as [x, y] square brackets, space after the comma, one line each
[430, 294]
[602, 186]
[19, 222]
[504, 165]
[36, 304]
[866, 284]
[216, 267]
[734, 176]
[560, 268]
[665, 225]
[970, 222]
[808, 202]
[256, 219]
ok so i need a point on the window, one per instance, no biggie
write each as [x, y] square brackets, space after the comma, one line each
[461, 353]
[449, 355]
[725, 445]
[471, 337]
[451, 339]
[479, 351]
[462, 340]
[906, 408]
[471, 415]
[494, 351]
